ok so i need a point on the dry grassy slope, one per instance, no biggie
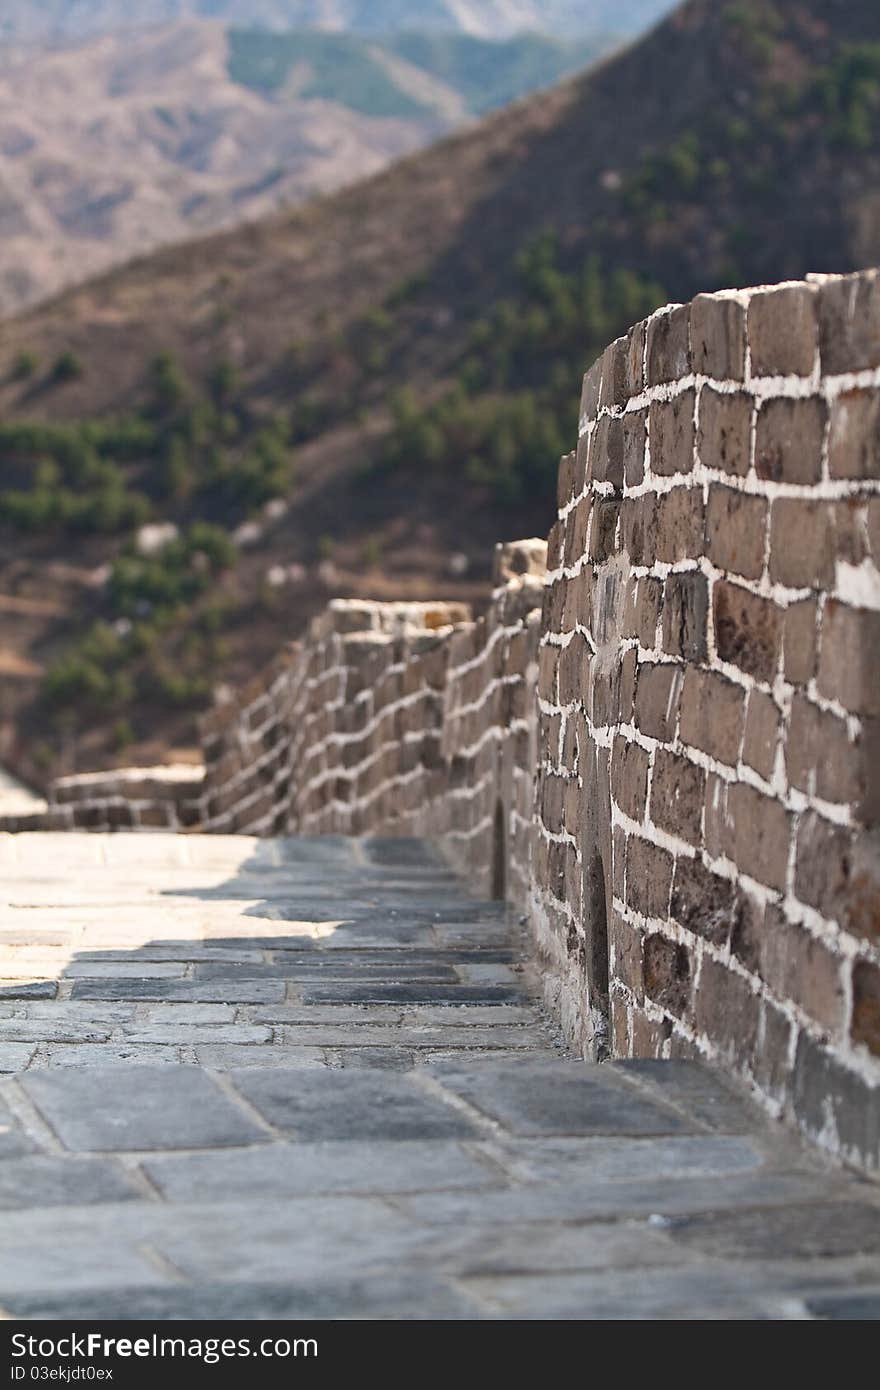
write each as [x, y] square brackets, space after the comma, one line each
[458, 213]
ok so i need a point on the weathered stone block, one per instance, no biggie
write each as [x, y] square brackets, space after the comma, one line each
[827, 1095]
[634, 437]
[712, 714]
[748, 629]
[724, 440]
[671, 429]
[678, 789]
[800, 641]
[629, 777]
[656, 700]
[590, 392]
[849, 323]
[854, 439]
[820, 758]
[685, 611]
[736, 526]
[726, 1010]
[667, 973]
[761, 830]
[638, 528]
[849, 661]
[565, 479]
[718, 337]
[866, 1006]
[802, 544]
[681, 524]
[761, 734]
[702, 901]
[799, 966]
[788, 444]
[783, 332]
[648, 877]
[837, 872]
[668, 350]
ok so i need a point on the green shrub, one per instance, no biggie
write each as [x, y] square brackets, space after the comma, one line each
[66, 367]
[24, 366]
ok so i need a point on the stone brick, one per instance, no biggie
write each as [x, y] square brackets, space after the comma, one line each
[678, 789]
[685, 611]
[727, 1011]
[548, 668]
[772, 1066]
[576, 530]
[603, 529]
[849, 323]
[748, 630]
[873, 530]
[736, 527]
[648, 877]
[718, 337]
[668, 350]
[849, 661]
[565, 479]
[634, 436]
[649, 600]
[627, 955]
[761, 835]
[802, 544]
[629, 777]
[671, 430]
[639, 529]
[788, 447]
[849, 530]
[712, 714]
[798, 966]
[724, 439]
[747, 931]
[590, 392]
[800, 641]
[762, 734]
[635, 359]
[854, 439]
[667, 972]
[865, 1029]
[574, 666]
[702, 902]
[838, 873]
[680, 524]
[827, 1096]
[606, 454]
[656, 702]
[613, 391]
[783, 332]
[820, 759]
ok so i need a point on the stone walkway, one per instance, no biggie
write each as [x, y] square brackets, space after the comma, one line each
[288, 1079]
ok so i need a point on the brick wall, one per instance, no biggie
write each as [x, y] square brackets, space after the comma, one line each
[662, 740]
[706, 872]
[405, 717]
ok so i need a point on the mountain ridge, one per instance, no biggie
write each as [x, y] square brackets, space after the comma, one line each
[114, 146]
[42, 20]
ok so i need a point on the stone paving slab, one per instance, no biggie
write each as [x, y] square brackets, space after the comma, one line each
[113, 1109]
[280, 1078]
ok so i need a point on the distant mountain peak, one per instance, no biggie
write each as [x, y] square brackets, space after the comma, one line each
[40, 21]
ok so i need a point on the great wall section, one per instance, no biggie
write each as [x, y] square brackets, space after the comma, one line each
[661, 744]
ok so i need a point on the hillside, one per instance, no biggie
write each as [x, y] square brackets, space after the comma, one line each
[380, 384]
[115, 146]
[27, 21]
